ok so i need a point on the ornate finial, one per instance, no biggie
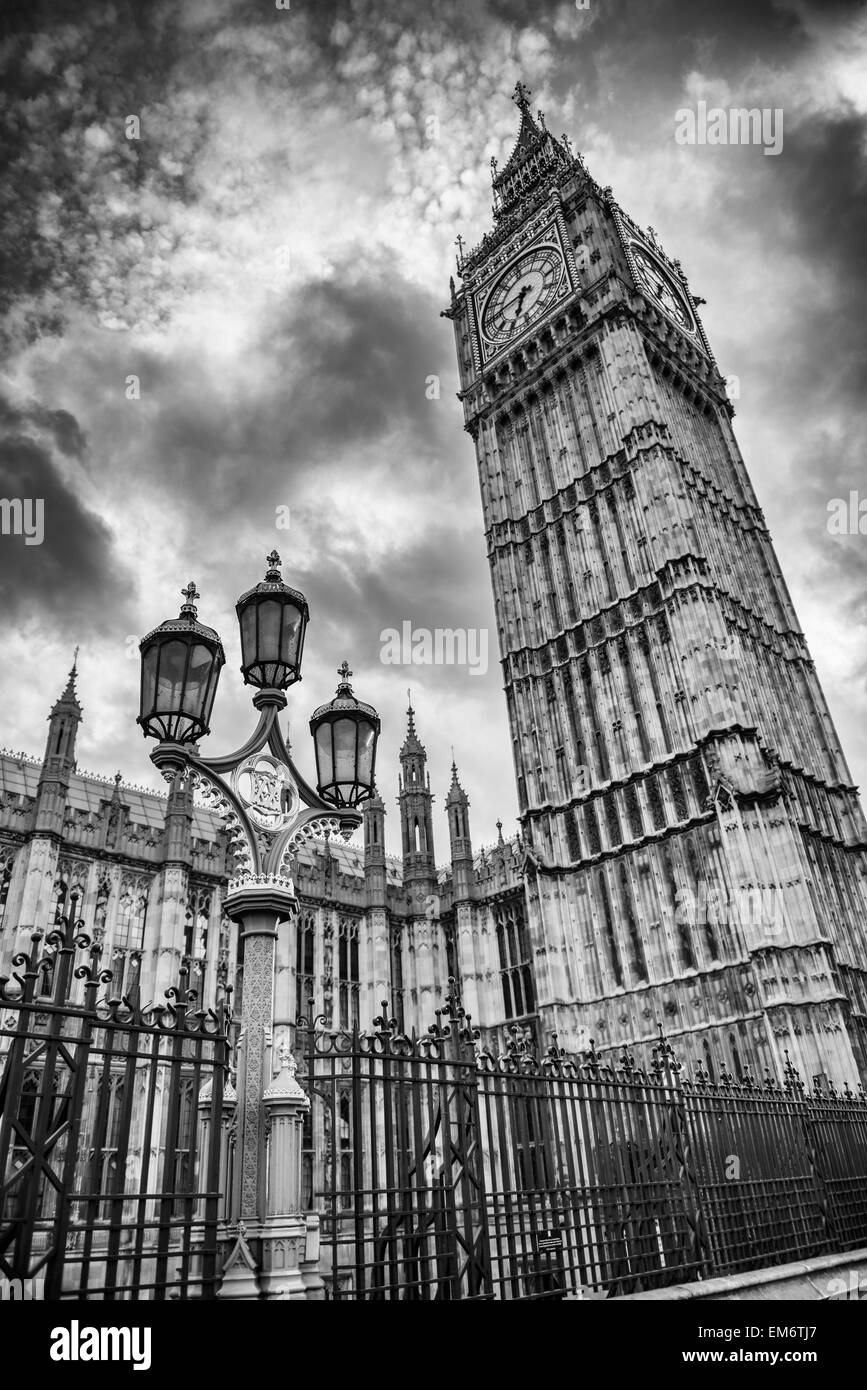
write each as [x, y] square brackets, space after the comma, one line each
[540, 116]
[284, 1084]
[554, 1052]
[190, 593]
[521, 96]
[791, 1076]
[495, 164]
[452, 1006]
[664, 1061]
[385, 1025]
[273, 562]
[567, 145]
[343, 670]
[459, 243]
[499, 832]
[592, 1057]
[410, 714]
[70, 691]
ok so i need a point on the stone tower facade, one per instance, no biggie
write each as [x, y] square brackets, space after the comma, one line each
[695, 846]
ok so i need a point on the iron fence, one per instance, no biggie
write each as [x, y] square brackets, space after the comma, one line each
[444, 1171]
[110, 1131]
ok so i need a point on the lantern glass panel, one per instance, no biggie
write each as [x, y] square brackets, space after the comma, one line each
[291, 634]
[248, 635]
[366, 745]
[324, 763]
[149, 679]
[269, 630]
[198, 681]
[344, 751]
[172, 667]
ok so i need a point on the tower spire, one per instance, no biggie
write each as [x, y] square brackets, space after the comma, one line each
[70, 695]
[537, 156]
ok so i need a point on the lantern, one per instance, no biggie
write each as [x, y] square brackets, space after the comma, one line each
[273, 619]
[180, 667]
[345, 732]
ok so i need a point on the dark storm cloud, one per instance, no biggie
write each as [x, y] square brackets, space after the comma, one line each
[344, 362]
[440, 581]
[826, 195]
[822, 372]
[63, 427]
[64, 577]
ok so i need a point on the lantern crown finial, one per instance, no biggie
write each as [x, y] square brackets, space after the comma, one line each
[273, 562]
[344, 673]
[190, 593]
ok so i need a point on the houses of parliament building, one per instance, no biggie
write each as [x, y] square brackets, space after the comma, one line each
[692, 849]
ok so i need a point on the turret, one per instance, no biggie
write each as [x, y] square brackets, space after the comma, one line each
[416, 806]
[179, 822]
[374, 851]
[457, 809]
[58, 763]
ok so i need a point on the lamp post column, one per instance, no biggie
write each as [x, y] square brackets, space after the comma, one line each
[258, 909]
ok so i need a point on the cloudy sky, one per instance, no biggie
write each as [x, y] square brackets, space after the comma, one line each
[269, 259]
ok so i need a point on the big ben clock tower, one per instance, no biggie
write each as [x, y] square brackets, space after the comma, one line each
[695, 846]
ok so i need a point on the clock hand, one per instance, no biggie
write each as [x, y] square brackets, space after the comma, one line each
[518, 301]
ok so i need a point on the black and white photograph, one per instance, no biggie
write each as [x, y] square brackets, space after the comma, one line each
[433, 657]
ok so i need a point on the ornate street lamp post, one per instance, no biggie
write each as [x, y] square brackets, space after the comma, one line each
[269, 810]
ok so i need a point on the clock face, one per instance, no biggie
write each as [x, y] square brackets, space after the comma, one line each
[657, 283]
[523, 293]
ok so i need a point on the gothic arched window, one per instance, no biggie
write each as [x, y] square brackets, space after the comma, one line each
[103, 893]
[347, 962]
[7, 860]
[128, 937]
[69, 884]
[196, 921]
[305, 936]
[516, 972]
[131, 914]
